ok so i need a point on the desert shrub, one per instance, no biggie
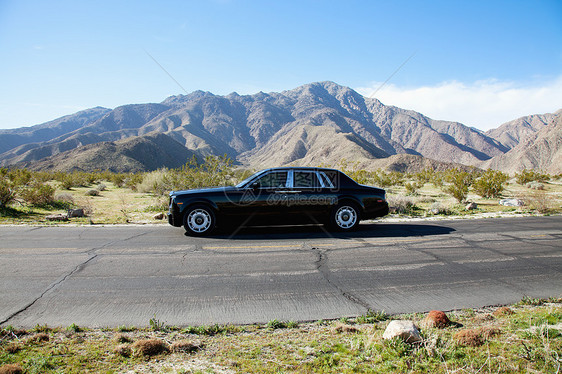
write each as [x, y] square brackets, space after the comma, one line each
[526, 176]
[7, 192]
[66, 181]
[74, 179]
[65, 197]
[413, 187]
[387, 179]
[490, 184]
[101, 187]
[539, 201]
[353, 171]
[19, 177]
[131, 180]
[118, 179]
[459, 182]
[425, 176]
[438, 179]
[534, 185]
[38, 194]
[154, 182]
[214, 171]
[92, 192]
[402, 204]
[439, 208]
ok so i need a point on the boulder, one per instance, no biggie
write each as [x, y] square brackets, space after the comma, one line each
[75, 213]
[57, 217]
[405, 330]
[512, 202]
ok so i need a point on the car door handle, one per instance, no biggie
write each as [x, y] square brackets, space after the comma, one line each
[285, 192]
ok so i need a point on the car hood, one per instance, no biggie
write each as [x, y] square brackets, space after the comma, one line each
[203, 190]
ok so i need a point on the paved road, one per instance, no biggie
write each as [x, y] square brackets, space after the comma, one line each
[111, 276]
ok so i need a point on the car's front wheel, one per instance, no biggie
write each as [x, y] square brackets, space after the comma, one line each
[345, 217]
[199, 220]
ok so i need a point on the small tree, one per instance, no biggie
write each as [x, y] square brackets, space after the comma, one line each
[459, 181]
[490, 184]
[526, 176]
[7, 192]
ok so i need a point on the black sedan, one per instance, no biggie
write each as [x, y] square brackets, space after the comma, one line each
[285, 195]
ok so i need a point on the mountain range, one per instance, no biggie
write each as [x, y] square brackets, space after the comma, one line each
[317, 123]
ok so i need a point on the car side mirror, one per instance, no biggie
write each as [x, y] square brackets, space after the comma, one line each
[256, 186]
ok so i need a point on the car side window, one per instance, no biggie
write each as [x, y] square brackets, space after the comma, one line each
[305, 179]
[276, 179]
[331, 180]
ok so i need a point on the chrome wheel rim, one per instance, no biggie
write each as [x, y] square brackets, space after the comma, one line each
[346, 217]
[199, 220]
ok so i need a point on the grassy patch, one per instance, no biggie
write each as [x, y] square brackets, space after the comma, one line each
[525, 337]
[107, 201]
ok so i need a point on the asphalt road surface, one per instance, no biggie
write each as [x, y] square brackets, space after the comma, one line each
[126, 275]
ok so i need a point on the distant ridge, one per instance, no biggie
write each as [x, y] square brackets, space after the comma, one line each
[143, 153]
[541, 150]
[317, 123]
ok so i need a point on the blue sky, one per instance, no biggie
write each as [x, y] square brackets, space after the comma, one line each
[477, 62]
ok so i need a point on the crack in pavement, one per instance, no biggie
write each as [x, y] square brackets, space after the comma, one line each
[49, 288]
[322, 267]
[92, 255]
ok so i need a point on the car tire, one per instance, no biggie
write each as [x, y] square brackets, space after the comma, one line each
[199, 220]
[345, 217]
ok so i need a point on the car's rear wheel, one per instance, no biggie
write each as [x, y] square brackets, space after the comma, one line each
[345, 217]
[199, 220]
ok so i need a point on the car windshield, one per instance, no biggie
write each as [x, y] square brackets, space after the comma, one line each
[247, 180]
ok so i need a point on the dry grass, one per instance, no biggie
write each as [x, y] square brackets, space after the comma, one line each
[470, 338]
[116, 205]
[185, 346]
[526, 341]
[150, 347]
[345, 328]
[503, 311]
[123, 350]
[11, 369]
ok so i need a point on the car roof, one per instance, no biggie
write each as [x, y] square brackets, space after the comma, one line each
[310, 168]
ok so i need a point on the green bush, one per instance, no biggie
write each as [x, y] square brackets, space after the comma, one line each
[215, 171]
[459, 181]
[413, 187]
[387, 179]
[7, 192]
[38, 194]
[490, 184]
[92, 192]
[526, 176]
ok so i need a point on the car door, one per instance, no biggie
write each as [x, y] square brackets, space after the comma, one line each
[311, 197]
[259, 201]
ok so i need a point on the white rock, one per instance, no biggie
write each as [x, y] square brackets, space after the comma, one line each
[405, 330]
[511, 202]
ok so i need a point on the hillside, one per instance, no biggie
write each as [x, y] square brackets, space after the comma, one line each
[513, 132]
[144, 153]
[312, 124]
[541, 150]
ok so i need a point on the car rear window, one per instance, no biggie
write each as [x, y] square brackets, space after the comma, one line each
[306, 179]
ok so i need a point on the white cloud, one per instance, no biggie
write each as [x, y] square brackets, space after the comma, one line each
[483, 104]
